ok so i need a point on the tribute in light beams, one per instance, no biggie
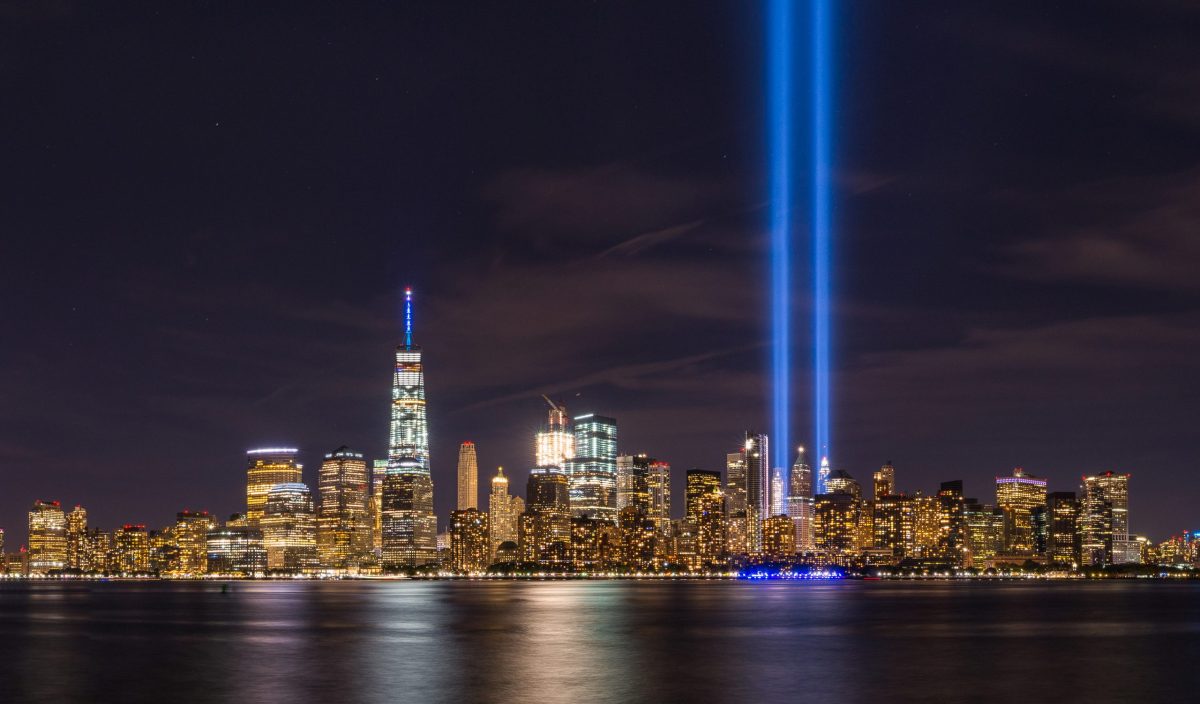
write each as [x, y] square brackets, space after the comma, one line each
[779, 115]
[821, 99]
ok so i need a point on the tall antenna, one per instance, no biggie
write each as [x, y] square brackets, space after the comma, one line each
[408, 317]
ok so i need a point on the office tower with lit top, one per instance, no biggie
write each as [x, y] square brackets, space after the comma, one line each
[593, 470]
[799, 503]
[408, 524]
[778, 493]
[265, 468]
[47, 537]
[1017, 496]
[343, 519]
[757, 459]
[470, 541]
[468, 476]
[504, 511]
[289, 528]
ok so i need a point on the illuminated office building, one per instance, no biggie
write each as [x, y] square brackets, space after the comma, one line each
[642, 547]
[47, 537]
[409, 526]
[504, 511]
[344, 517]
[822, 476]
[545, 526]
[1017, 496]
[884, 481]
[985, 526]
[756, 457]
[470, 541]
[800, 502]
[236, 550]
[191, 543]
[836, 519]
[1104, 520]
[97, 546]
[779, 538]
[266, 468]
[130, 550]
[927, 527]
[554, 445]
[593, 471]
[77, 539]
[468, 476]
[737, 534]
[289, 529]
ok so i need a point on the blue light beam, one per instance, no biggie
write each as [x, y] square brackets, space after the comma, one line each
[822, 250]
[779, 115]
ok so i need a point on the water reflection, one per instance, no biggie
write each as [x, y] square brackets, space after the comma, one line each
[597, 641]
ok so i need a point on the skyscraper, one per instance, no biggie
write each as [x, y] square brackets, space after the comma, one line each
[77, 539]
[1017, 496]
[822, 475]
[289, 529]
[555, 444]
[705, 510]
[468, 477]
[778, 492]
[758, 486]
[545, 526]
[593, 471]
[736, 526]
[1062, 528]
[504, 511]
[1104, 520]
[800, 502]
[644, 483]
[409, 525]
[47, 537]
[131, 550]
[265, 468]
[236, 549]
[343, 520]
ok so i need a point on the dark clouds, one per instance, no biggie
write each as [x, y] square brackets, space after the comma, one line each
[209, 218]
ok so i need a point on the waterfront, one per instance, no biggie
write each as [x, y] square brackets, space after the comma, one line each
[624, 641]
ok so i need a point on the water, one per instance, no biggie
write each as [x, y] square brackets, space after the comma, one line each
[603, 641]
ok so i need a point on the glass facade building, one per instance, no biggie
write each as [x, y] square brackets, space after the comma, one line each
[593, 471]
[343, 519]
[265, 468]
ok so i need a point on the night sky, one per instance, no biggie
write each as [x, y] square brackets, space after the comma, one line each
[209, 214]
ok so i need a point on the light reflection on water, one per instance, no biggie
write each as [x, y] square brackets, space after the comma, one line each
[598, 641]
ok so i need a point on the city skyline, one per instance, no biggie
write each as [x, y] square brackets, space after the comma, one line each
[1012, 278]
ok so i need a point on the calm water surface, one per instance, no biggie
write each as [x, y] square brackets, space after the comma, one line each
[613, 641]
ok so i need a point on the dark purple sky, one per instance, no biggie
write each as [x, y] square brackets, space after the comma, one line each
[209, 215]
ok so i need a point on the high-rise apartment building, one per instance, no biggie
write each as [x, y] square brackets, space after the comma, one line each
[77, 539]
[502, 519]
[985, 527]
[344, 517]
[705, 512]
[408, 524]
[593, 471]
[1017, 496]
[266, 468]
[289, 528]
[779, 538]
[644, 483]
[47, 537]
[130, 551]
[836, 527]
[468, 476]
[736, 522]
[470, 541]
